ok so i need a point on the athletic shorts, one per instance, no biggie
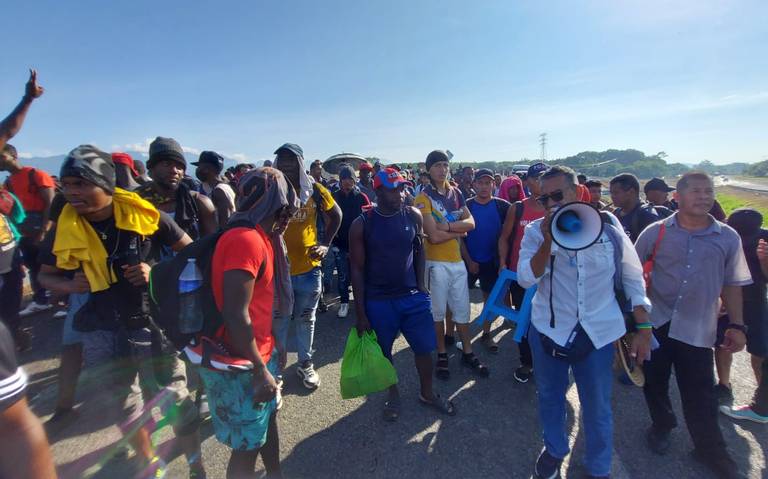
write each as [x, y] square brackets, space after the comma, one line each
[130, 371]
[238, 422]
[410, 315]
[488, 274]
[448, 288]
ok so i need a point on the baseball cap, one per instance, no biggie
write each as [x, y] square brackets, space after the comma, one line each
[483, 173]
[165, 149]
[536, 169]
[211, 158]
[365, 166]
[657, 184]
[389, 178]
[293, 148]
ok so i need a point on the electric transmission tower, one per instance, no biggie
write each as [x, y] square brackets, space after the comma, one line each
[543, 143]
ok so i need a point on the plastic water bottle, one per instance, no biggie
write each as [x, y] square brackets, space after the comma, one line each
[190, 311]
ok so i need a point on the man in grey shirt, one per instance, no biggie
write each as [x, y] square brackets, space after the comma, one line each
[698, 260]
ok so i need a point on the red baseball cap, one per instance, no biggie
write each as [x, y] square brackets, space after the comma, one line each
[365, 166]
[389, 178]
[125, 159]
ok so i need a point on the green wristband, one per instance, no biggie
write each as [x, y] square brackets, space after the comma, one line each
[643, 325]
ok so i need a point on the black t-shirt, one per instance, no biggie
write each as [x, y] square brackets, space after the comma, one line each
[123, 303]
[13, 381]
[756, 291]
[637, 220]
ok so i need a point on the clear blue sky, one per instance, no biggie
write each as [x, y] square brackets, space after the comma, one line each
[395, 78]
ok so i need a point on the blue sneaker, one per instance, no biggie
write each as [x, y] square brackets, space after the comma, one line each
[547, 467]
[743, 412]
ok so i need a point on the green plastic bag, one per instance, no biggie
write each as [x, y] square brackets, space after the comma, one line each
[364, 369]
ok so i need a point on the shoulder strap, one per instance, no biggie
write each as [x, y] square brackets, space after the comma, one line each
[317, 197]
[501, 207]
[659, 237]
[366, 216]
[614, 234]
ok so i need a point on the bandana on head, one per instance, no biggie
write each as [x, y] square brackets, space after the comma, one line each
[91, 164]
[262, 192]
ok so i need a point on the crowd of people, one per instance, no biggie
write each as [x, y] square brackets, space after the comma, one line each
[409, 244]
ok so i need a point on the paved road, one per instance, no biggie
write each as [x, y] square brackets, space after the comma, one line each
[495, 434]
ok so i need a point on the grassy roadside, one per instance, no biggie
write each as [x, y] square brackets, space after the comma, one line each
[732, 198]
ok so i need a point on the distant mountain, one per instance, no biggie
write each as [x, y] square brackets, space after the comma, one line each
[52, 164]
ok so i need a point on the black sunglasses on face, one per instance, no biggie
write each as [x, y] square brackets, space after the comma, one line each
[554, 196]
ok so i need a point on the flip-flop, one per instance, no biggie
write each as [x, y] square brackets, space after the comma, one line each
[392, 410]
[439, 404]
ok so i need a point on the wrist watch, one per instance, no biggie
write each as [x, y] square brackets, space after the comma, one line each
[740, 327]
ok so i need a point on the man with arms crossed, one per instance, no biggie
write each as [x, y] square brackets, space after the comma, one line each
[446, 220]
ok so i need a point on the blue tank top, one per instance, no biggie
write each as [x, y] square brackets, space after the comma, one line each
[389, 271]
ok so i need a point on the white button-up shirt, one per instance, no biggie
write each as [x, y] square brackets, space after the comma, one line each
[583, 287]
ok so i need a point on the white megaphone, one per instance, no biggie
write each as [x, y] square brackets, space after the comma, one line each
[576, 226]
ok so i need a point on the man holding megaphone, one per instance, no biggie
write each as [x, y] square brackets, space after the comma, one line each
[569, 253]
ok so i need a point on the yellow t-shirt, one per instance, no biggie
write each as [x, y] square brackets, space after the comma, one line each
[302, 232]
[441, 208]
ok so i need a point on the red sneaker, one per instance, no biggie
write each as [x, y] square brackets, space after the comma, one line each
[212, 354]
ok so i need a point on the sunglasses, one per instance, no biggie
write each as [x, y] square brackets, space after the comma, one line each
[554, 196]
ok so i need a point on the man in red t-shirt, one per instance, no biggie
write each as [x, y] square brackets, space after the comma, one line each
[33, 188]
[244, 404]
[509, 248]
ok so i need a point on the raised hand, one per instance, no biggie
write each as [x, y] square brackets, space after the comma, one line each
[33, 90]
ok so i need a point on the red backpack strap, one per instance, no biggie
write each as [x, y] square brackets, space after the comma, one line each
[659, 237]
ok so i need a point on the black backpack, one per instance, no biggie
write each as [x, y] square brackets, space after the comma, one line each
[164, 290]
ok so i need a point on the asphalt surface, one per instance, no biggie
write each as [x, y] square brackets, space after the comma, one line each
[495, 433]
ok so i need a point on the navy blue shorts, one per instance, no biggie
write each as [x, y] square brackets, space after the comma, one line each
[410, 315]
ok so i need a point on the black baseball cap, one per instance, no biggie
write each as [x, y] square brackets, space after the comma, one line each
[657, 184]
[212, 158]
[536, 169]
[293, 148]
[483, 172]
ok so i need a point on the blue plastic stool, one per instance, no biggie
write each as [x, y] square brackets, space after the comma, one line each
[495, 305]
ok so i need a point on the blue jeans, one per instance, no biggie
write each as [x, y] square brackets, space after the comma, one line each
[594, 380]
[342, 268]
[306, 293]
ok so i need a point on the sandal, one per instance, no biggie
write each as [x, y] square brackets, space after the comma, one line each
[441, 367]
[444, 406]
[489, 343]
[471, 361]
[392, 410]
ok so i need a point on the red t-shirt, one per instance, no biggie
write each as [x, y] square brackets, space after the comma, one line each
[529, 215]
[29, 192]
[248, 249]
[583, 194]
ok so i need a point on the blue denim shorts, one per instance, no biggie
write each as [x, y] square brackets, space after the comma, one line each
[69, 335]
[410, 315]
[238, 422]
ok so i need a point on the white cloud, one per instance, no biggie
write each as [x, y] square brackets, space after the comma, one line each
[238, 157]
[25, 154]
